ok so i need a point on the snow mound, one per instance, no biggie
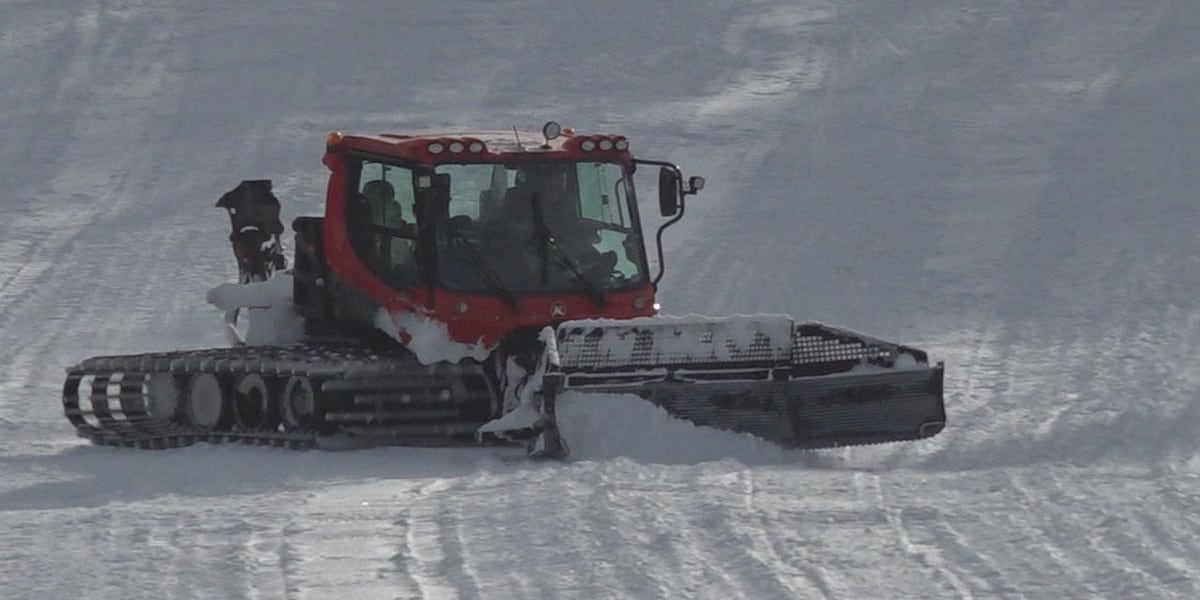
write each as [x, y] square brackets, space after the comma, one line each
[267, 306]
[604, 426]
[428, 338]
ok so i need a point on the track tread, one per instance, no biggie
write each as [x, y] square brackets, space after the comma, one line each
[108, 422]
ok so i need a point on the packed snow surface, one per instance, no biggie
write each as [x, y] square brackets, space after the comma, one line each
[1007, 185]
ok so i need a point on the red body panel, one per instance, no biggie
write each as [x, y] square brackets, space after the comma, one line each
[487, 319]
[470, 318]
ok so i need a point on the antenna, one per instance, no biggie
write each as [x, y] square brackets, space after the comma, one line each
[518, 136]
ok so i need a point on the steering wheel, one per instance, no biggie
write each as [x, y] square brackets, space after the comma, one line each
[598, 266]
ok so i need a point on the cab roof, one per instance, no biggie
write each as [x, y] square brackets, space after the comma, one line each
[439, 146]
[497, 141]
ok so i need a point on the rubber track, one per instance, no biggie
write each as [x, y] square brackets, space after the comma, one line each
[121, 420]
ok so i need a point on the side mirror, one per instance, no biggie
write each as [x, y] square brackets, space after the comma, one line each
[668, 191]
[695, 184]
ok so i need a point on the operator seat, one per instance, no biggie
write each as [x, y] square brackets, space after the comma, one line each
[380, 235]
[378, 195]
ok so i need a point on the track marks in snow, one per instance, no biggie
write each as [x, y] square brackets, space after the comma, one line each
[1008, 533]
[1139, 539]
[629, 529]
[433, 554]
[690, 536]
[1107, 567]
[809, 579]
[930, 558]
[734, 525]
[659, 537]
[145, 550]
[611, 512]
[264, 561]
[344, 543]
[963, 556]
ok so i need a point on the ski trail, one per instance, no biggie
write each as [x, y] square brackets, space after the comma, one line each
[264, 561]
[456, 564]
[609, 511]
[222, 548]
[785, 62]
[971, 564]
[372, 539]
[1071, 522]
[1165, 571]
[927, 556]
[733, 516]
[432, 555]
[1178, 549]
[811, 580]
[1034, 538]
[402, 559]
[735, 565]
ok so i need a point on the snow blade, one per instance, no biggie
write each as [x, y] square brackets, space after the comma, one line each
[799, 386]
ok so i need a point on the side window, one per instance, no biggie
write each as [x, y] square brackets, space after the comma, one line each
[390, 188]
[602, 193]
[471, 186]
[381, 215]
[604, 199]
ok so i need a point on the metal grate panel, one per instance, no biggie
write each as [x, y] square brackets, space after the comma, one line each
[587, 345]
[816, 343]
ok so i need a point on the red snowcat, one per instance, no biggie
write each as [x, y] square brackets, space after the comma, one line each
[458, 284]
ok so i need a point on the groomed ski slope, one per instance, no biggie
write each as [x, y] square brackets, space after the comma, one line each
[1007, 185]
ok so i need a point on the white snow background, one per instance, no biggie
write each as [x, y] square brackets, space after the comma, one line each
[1009, 185]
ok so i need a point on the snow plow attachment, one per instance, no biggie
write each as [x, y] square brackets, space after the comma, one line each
[798, 385]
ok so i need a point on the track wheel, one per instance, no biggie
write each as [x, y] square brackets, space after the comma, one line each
[254, 404]
[205, 404]
[163, 398]
[299, 404]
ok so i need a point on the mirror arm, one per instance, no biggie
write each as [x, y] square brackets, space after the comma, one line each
[662, 267]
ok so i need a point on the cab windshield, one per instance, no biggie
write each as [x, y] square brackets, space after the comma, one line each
[559, 227]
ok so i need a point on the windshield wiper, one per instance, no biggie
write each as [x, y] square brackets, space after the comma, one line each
[494, 281]
[550, 244]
